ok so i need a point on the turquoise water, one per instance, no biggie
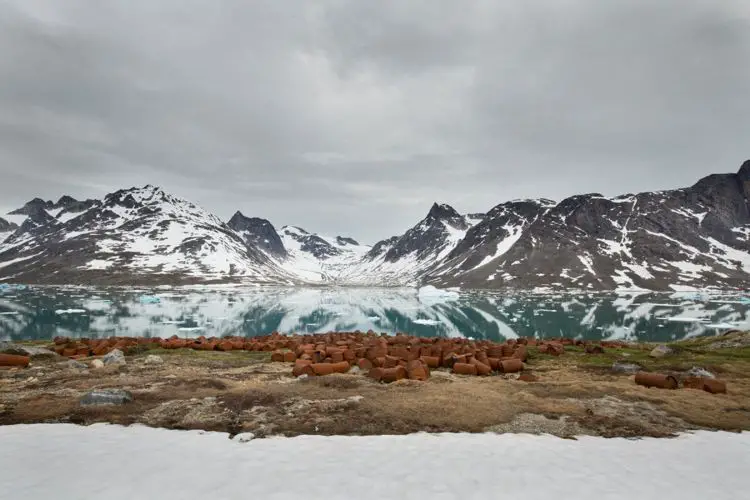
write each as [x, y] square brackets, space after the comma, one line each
[45, 312]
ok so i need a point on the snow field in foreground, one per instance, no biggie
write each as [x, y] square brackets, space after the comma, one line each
[64, 461]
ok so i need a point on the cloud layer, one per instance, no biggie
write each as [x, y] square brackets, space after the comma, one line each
[350, 117]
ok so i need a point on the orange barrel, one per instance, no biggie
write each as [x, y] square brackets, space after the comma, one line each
[656, 380]
[521, 353]
[364, 364]
[14, 360]
[416, 370]
[494, 363]
[482, 369]
[299, 370]
[464, 369]
[341, 366]
[431, 361]
[393, 374]
[705, 384]
[511, 366]
[376, 374]
[322, 368]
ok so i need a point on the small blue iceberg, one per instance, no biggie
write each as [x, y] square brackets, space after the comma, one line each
[149, 299]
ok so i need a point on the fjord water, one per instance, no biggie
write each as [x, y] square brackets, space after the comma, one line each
[28, 313]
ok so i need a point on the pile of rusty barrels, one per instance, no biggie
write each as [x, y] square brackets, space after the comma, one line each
[662, 381]
[84, 347]
[395, 357]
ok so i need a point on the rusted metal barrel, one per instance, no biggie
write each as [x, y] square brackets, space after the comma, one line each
[431, 361]
[14, 360]
[416, 370]
[322, 369]
[482, 369]
[393, 374]
[464, 369]
[376, 374]
[705, 384]
[341, 367]
[303, 367]
[365, 364]
[656, 380]
[391, 362]
[521, 352]
[494, 363]
[514, 365]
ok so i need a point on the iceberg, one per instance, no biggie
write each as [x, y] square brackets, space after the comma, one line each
[430, 295]
[149, 299]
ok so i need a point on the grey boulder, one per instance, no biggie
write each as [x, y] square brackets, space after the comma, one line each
[106, 397]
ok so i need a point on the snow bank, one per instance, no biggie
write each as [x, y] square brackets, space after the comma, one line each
[140, 462]
[430, 295]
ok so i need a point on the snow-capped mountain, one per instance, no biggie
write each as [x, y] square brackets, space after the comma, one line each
[403, 260]
[319, 259]
[694, 237]
[136, 235]
[686, 238]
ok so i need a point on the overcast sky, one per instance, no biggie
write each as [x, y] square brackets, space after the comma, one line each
[352, 117]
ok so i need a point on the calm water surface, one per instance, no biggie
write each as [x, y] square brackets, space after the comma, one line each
[44, 312]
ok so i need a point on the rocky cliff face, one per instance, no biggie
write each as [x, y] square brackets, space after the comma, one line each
[258, 233]
[694, 237]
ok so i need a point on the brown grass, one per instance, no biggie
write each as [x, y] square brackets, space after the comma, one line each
[575, 391]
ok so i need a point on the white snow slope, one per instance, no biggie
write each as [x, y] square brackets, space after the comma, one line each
[45, 461]
[308, 267]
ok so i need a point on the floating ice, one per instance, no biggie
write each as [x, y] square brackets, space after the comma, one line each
[70, 311]
[430, 295]
[431, 322]
[149, 299]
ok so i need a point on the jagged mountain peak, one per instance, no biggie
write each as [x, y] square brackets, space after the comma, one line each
[65, 201]
[258, 233]
[345, 240]
[744, 172]
[442, 211]
[32, 207]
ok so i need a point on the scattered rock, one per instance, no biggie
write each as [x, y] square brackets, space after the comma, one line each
[76, 365]
[660, 351]
[189, 414]
[697, 371]
[22, 350]
[244, 437]
[620, 367]
[106, 397]
[153, 359]
[97, 364]
[732, 339]
[115, 357]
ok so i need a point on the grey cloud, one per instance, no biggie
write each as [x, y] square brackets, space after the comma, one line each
[352, 117]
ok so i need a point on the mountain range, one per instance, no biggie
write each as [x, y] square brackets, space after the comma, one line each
[690, 238]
